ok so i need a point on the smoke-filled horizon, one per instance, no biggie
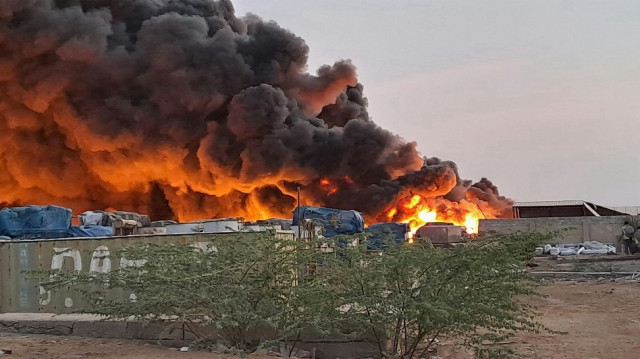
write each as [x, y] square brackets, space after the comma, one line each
[180, 109]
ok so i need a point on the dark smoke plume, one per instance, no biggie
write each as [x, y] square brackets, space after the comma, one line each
[180, 108]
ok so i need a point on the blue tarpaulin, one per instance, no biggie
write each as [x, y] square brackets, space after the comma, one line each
[333, 221]
[90, 231]
[380, 235]
[33, 222]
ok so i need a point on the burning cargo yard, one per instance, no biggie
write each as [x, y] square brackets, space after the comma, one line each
[183, 113]
[153, 122]
[53, 222]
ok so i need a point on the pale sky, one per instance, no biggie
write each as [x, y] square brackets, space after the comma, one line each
[542, 97]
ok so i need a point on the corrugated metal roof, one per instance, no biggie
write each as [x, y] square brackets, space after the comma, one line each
[550, 203]
[632, 210]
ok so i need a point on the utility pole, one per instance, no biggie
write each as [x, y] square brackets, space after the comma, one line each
[298, 215]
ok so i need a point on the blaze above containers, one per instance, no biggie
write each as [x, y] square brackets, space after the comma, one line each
[49, 222]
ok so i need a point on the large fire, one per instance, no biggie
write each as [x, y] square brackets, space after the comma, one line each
[418, 211]
[188, 112]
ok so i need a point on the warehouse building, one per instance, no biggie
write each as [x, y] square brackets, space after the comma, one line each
[577, 208]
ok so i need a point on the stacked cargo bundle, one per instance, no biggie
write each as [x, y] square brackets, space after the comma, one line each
[333, 221]
[121, 222]
[45, 222]
[33, 222]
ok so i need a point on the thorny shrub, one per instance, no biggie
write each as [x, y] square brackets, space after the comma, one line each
[246, 291]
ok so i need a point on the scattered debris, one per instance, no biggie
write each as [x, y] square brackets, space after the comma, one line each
[219, 348]
[184, 349]
[589, 247]
[5, 351]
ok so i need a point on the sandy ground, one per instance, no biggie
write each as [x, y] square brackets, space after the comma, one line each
[48, 346]
[601, 319]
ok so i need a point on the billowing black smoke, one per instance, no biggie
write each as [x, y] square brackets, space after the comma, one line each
[179, 108]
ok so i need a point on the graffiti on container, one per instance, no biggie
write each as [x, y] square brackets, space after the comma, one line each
[100, 263]
[23, 264]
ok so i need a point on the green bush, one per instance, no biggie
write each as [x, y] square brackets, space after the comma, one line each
[404, 299]
[247, 292]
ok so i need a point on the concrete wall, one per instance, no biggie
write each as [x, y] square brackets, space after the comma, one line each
[21, 294]
[574, 229]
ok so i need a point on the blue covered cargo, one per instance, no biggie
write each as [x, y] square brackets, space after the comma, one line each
[333, 221]
[90, 231]
[380, 235]
[34, 222]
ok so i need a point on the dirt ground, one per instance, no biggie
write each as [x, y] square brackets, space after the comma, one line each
[601, 319]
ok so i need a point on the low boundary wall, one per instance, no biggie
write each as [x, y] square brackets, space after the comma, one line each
[21, 294]
[573, 229]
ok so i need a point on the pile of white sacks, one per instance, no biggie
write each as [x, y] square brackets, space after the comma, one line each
[589, 247]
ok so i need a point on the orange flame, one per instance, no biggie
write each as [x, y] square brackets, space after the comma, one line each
[392, 213]
[418, 211]
[471, 223]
